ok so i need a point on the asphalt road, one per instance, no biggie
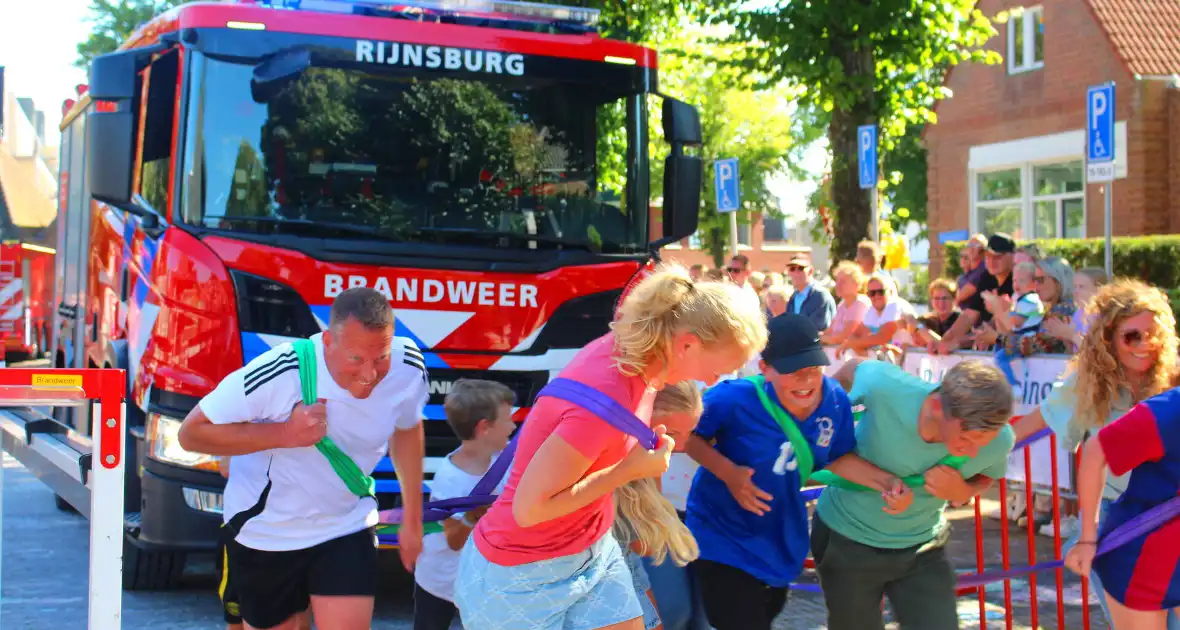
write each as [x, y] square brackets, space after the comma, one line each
[44, 575]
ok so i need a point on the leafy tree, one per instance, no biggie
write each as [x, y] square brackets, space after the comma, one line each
[114, 21]
[904, 168]
[739, 119]
[861, 62]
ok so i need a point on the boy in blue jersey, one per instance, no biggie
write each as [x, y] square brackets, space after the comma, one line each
[757, 441]
[952, 439]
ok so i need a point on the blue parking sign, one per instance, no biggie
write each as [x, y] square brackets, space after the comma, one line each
[725, 174]
[866, 143]
[1100, 120]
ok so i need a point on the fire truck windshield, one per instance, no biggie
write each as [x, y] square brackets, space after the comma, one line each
[410, 156]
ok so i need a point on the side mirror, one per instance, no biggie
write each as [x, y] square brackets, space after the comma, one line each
[682, 173]
[112, 76]
[110, 125]
[111, 135]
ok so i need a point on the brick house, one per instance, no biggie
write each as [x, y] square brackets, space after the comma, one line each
[1008, 151]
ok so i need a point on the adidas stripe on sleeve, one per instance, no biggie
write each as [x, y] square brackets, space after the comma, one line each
[264, 390]
[413, 365]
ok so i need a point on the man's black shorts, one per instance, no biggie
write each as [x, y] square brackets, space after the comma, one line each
[271, 586]
[226, 586]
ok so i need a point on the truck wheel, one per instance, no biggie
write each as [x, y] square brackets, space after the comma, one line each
[63, 505]
[151, 570]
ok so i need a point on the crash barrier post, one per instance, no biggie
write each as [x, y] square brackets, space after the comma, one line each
[30, 435]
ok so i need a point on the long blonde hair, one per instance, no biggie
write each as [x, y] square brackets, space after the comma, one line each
[642, 513]
[1099, 373]
[669, 302]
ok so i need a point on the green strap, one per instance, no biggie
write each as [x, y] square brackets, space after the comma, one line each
[806, 459]
[803, 455]
[358, 482]
[394, 528]
[829, 478]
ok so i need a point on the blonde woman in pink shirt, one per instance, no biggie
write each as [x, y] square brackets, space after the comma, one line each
[850, 289]
[543, 556]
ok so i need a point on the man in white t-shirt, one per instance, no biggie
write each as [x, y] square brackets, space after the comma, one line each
[300, 537]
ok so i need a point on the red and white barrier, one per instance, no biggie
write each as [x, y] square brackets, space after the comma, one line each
[30, 435]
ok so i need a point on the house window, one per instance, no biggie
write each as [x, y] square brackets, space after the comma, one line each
[997, 205]
[1058, 200]
[1032, 200]
[774, 229]
[1026, 39]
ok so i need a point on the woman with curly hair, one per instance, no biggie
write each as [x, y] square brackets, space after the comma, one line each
[1128, 355]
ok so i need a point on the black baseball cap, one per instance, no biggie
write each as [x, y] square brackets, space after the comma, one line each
[1001, 243]
[793, 344]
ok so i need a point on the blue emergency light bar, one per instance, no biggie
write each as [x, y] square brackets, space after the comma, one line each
[486, 9]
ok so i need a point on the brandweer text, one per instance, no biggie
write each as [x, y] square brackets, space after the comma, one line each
[435, 291]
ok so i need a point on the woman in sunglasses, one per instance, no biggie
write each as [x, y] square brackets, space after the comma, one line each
[1054, 285]
[1128, 355]
[882, 325]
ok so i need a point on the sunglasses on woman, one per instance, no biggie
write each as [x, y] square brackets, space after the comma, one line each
[1133, 336]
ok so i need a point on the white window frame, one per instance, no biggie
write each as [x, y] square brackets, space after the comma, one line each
[1066, 146]
[976, 204]
[1058, 199]
[1021, 18]
[1027, 201]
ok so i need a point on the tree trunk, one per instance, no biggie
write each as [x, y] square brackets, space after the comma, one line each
[853, 214]
[718, 247]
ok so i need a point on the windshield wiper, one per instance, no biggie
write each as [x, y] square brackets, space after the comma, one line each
[512, 236]
[318, 226]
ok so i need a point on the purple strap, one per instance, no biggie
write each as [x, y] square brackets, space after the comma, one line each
[602, 406]
[1143, 524]
[565, 389]
[1128, 532]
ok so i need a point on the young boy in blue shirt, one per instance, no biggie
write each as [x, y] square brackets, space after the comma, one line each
[757, 442]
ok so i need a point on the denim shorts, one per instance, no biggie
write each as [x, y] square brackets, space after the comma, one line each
[583, 591]
[651, 617]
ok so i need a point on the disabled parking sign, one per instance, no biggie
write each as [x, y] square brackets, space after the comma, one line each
[725, 173]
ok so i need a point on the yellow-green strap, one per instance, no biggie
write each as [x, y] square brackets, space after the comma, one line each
[806, 459]
[829, 478]
[359, 483]
[803, 455]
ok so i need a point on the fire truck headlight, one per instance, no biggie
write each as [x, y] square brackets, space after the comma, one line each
[164, 445]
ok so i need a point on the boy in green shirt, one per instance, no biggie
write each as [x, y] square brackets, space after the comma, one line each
[910, 426]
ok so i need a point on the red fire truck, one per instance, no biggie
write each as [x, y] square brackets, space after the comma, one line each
[26, 298]
[483, 163]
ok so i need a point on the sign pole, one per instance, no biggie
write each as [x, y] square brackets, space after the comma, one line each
[866, 142]
[1100, 152]
[729, 196]
[733, 235]
[1108, 193]
[876, 232]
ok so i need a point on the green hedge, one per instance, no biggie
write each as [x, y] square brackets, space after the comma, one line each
[1153, 259]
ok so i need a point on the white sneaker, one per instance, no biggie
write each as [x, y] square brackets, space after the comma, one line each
[1069, 527]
